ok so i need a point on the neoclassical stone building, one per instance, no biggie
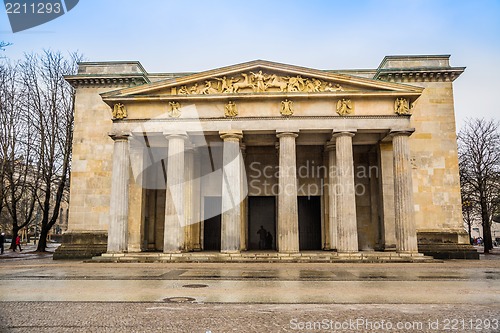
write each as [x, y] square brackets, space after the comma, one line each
[299, 162]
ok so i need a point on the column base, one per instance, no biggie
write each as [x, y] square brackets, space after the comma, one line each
[411, 253]
[82, 245]
[134, 249]
[389, 248]
[197, 248]
[230, 251]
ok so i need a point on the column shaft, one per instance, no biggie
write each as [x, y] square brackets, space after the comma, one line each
[231, 192]
[347, 230]
[332, 194]
[188, 199]
[136, 209]
[406, 234]
[118, 208]
[196, 202]
[244, 202]
[173, 240]
[387, 193]
[288, 224]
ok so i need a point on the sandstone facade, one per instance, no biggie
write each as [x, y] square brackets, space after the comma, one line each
[333, 160]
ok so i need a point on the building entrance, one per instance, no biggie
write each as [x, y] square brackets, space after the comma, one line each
[309, 223]
[212, 224]
[262, 212]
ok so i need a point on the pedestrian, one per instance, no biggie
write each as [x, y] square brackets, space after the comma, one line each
[18, 243]
[2, 240]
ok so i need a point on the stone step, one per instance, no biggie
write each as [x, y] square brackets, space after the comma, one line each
[247, 257]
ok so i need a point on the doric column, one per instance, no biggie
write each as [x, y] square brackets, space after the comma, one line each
[189, 197]
[347, 230]
[231, 192]
[137, 193]
[387, 195]
[288, 223]
[406, 233]
[244, 203]
[196, 230]
[173, 239]
[332, 193]
[118, 208]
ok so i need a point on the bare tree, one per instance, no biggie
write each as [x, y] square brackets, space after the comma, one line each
[19, 174]
[51, 101]
[5, 79]
[6, 83]
[479, 160]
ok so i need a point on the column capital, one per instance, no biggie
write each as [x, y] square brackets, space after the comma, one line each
[233, 135]
[189, 147]
[119, 136]
[287, 134]
[174, 135]
[330, 145]
[347, 132]
[401, 132]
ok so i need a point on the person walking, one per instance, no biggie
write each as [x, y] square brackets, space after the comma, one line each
[18, 243]
[2, 240]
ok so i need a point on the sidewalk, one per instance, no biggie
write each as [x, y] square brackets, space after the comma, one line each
[493, 255]
[28, 252]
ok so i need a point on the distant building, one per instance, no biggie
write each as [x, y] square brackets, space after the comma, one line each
[337, 160]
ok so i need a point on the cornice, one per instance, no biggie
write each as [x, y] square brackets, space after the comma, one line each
[419, 74]
[117, 80]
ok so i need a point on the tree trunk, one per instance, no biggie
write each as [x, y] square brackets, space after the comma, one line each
[469, 224]
[15, 231]
[42, 241]
[487, 242]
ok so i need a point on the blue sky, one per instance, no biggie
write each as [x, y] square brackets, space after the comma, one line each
[169, 36]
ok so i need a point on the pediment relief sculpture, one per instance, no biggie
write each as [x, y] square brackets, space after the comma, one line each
[258, 82]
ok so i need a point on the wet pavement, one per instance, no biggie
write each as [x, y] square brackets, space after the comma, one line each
[37, 293]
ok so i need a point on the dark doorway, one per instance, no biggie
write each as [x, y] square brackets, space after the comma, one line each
[211, 229]
[309, 223]
[261, 212]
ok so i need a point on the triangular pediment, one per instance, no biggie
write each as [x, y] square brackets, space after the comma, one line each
[262, 78]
